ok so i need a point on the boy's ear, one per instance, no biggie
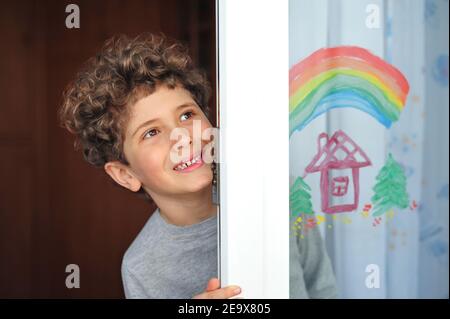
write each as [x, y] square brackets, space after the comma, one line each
[122, 175]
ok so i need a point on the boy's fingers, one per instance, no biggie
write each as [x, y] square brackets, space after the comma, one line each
[213, 284]
[224, 293]
[213, 291]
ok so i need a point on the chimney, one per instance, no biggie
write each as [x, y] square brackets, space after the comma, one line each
[322, 141]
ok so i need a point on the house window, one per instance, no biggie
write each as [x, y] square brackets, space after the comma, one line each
[339, 186]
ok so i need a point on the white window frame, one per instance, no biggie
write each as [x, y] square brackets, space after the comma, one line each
[253, 117]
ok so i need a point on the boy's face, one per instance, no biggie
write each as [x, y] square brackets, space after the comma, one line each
[150, 150]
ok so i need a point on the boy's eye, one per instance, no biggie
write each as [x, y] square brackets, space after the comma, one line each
[187, 115]
[150, 133]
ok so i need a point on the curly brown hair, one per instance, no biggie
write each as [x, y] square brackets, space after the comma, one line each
[126, 69]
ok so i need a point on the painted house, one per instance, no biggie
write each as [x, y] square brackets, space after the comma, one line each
[338, 160]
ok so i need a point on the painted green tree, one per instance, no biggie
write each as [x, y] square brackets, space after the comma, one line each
[300, 198]
[390, 188]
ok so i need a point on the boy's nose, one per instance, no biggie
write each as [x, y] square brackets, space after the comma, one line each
[185, 143]
[182, 144]
[185, 138]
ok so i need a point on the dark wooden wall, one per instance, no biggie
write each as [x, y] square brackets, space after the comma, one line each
[55, 209]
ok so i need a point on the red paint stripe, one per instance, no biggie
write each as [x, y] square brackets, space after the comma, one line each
[322, 55]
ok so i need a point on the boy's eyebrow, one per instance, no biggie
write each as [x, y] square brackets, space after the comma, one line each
[146, 123]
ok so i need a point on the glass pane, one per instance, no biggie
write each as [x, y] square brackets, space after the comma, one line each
[368, 115]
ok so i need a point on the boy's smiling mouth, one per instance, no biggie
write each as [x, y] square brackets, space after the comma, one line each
[189, 165]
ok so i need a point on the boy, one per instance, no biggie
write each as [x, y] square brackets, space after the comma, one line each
[124, 107]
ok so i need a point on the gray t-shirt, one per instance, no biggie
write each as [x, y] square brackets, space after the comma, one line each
[310, 274]
[172, 262]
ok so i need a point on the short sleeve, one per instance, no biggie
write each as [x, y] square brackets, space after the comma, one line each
[131, 285]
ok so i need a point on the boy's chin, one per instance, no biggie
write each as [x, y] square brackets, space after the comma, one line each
[195, 183]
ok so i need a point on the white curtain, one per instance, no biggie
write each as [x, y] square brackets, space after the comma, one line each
[411, 247]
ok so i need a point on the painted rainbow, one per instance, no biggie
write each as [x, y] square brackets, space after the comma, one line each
[345, 76]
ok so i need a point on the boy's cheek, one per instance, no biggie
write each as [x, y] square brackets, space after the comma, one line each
[149, 166]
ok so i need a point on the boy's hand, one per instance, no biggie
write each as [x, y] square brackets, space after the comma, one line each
[213, 291]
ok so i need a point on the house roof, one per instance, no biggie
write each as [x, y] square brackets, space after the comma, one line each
[339, 151]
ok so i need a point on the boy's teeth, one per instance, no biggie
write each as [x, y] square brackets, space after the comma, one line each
[188, 163]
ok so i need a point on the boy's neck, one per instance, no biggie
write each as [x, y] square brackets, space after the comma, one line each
[187, 210]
